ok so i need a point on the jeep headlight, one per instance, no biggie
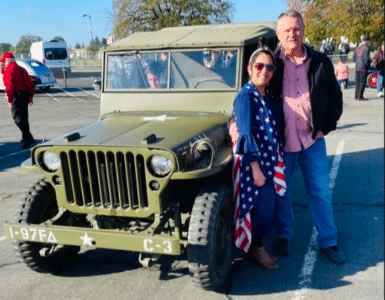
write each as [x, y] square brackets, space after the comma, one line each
[51, 161]
[160, 165]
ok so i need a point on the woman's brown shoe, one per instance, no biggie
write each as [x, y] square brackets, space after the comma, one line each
[263, 258]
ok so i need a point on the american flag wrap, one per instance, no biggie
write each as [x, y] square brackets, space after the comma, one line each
[243, 225]
[262, 142]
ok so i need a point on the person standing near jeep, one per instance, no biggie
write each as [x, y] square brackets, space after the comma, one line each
[305, 85]
[258, 162]
[379, 64]
[362, 58]
[19, 91]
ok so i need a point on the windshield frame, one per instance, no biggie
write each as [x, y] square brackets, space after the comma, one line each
[170, 52]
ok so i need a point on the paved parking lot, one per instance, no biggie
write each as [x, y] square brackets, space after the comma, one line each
[355, 150]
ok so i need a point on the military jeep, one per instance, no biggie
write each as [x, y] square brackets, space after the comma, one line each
[153, 175]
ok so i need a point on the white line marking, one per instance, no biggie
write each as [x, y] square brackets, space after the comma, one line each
[88, 92]
[14, 153]
[2, 238]
[311, 255]
[57, 100]
[71, 95]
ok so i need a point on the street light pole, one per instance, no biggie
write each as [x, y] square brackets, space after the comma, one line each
[92, 37]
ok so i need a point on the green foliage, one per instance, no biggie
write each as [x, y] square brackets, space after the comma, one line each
[350, 18]
[23, 46]
[147, 15]
[5, 47]
[57, 38]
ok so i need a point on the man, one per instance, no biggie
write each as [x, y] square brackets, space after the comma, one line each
[19, 91]
[379, 64]
[305, 84]
[362, 58]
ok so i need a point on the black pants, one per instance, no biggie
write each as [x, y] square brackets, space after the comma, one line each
[360, 84]
[20, 115]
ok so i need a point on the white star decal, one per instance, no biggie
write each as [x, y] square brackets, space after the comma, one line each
[243, 196]
[264, 154]
[270, 148]
[249, 189]
[265, 137]
[86, 240]
[267, 164]
[267, 120]
[256, 192]
[273, 158]
[271, 129]
[247, 178]
[270, 173]
[250, 199]
[247, 168]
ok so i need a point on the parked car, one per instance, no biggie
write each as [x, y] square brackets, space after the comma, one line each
[40, 74]
[154, 174]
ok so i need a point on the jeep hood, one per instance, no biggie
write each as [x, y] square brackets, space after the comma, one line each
[150, 130]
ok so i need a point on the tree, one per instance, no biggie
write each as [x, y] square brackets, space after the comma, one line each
[57, 38]
[148, 15]
[24, 45]
[77, 46]
[350, 18]
[5, 47]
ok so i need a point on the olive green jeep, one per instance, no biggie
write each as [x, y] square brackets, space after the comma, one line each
[154, 174]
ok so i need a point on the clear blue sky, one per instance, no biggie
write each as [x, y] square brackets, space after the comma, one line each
[64, 18]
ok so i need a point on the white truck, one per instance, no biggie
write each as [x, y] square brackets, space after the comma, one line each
[54, 54]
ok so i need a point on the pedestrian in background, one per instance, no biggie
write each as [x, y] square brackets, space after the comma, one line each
[306, 87]
[379, 64]
[19, 91]
[342, 72]
[362, 58]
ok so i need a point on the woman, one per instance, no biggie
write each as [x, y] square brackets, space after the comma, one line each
[257, 150]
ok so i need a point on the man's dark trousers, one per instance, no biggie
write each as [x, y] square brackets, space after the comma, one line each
[20, 115]
[360, 84]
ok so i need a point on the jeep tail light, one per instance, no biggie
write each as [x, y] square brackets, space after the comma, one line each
[43, 61]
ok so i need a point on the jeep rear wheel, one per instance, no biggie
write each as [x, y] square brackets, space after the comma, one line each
[210, 237]
[39, 205]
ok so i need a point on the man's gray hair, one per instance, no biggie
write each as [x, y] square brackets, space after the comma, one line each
[292, 14]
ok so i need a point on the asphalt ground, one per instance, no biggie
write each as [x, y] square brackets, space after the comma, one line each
[356, 157]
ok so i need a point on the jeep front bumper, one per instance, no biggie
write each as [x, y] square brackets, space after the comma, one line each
[94, 238]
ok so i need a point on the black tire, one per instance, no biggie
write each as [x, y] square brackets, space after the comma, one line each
[210, 237]
[38, 205]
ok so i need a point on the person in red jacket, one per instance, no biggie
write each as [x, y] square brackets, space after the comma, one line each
[19, 91]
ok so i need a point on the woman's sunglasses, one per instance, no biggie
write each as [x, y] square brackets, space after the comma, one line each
[260, 66]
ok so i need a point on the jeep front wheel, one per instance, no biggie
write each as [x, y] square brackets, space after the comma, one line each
[210, 237]
[39, 205]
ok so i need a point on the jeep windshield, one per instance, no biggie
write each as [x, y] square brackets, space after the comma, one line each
[166, 70]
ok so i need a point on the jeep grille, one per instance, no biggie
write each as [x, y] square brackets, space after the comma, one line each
[105, 179]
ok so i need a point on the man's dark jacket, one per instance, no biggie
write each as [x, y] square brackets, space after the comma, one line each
[325, 93]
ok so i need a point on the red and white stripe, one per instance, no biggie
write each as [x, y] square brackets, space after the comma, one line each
[279, 176]
[242, 226]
